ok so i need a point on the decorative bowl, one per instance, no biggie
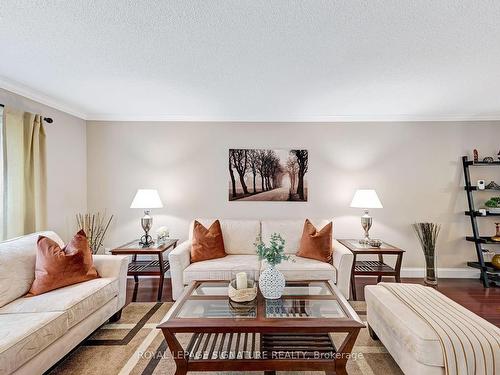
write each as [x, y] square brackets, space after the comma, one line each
[243, 309]
[242, 295]
[375, 243]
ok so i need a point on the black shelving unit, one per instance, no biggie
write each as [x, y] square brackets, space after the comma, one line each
[489, 275]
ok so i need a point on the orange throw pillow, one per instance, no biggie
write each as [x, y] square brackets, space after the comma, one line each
[316, 245]
[56, 267]
[207, 243]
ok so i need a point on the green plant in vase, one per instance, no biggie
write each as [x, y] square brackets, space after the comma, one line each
[273, 254]
[493, 202]
[272, 281]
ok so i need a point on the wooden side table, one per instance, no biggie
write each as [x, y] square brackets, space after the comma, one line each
[373, 267]
[138, 268]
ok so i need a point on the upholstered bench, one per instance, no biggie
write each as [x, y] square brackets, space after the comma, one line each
[403, 317]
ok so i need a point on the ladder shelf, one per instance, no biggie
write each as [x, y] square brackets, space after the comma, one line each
[489, 275]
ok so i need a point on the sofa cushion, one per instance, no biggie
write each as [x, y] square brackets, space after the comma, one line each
[404, 326]
[17, 265]
[289, 230]
[239, 235]
[316, 244]
[222, 268]
[22, 336]
[58, 266]
[207, 243]
[78, 300]
[297, 268]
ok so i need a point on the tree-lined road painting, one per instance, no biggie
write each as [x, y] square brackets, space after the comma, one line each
[268, 175]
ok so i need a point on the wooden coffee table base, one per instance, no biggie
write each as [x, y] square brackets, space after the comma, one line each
[289, 334]
[267, 352]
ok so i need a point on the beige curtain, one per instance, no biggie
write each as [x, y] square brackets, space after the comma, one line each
[25, 181]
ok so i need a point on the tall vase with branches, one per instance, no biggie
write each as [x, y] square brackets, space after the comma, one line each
[95, 226]
[427, 234]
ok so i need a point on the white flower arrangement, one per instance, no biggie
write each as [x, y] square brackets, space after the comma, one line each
[162, 233]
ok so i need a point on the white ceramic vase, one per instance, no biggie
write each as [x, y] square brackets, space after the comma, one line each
[272, 283]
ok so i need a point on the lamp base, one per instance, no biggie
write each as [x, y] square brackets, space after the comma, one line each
[146, 224]
[146, 241]
[366, 224]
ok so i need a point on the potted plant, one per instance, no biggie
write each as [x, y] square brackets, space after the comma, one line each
[493, 205]
[272, 281]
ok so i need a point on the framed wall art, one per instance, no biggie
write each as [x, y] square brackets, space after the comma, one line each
[267, 175]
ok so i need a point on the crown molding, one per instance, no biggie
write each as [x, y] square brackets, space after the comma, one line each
[288, 119]
[29, 93]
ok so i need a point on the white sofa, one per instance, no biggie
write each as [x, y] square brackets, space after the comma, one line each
[239, 238]
[36, 332]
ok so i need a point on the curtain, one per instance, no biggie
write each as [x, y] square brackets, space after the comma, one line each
[25, 181]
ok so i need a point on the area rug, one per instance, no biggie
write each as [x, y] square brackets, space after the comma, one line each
[135, 346]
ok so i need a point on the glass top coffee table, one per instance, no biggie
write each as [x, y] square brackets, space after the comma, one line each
[291, 333]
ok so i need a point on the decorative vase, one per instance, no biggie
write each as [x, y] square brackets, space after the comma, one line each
[496, 237]
[272, 283]
[495, 261]
[427, 234]
[430, 268]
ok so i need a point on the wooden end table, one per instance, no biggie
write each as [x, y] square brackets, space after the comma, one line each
[138, 268]
[291, 333]
[373, 267]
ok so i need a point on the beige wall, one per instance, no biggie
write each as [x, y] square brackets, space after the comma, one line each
[66, 163]
[415, 168]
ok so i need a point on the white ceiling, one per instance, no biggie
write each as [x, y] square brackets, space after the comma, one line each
[255, 60]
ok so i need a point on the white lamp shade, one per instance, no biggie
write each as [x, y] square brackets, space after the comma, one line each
[366, 198]
[146, 198]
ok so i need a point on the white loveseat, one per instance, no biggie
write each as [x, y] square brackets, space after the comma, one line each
[36, 332]
[239, 238]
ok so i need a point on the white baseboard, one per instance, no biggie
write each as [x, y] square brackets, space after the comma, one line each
[443, 273]
[167, 276]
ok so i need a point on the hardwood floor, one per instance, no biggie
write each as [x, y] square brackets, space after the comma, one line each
[147, 290]
[467, 292]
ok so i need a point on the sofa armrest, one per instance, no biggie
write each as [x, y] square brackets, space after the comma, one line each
[114, 266]
[342, 261]
[179, 258]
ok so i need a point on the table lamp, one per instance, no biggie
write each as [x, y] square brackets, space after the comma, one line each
[365, 199]
[146, 199]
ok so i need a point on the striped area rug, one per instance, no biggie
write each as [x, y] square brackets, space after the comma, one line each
[135, 346]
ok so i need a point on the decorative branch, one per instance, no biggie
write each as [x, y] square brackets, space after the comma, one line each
[427, 234]
[95, 226]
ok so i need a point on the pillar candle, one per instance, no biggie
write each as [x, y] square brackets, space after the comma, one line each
[241, 280]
